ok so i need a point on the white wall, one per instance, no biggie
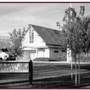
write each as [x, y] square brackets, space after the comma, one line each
[47, 53]
[38, 41]
[33, 55]
[39, 54]
[26, 54]
[44, 53]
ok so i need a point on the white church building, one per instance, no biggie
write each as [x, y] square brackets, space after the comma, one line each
[42, 42]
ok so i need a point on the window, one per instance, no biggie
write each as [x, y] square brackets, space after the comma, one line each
[41, 49]
[33, 51]
[56, 51]
[31, 36]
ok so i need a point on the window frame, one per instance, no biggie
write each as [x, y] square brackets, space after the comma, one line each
[31, 36]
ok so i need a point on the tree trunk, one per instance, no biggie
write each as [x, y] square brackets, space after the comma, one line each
[75, 64]
[71, 70]
[76, 76]
[79, 69]
[69, 60]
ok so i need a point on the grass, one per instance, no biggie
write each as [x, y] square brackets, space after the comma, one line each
[55, 70]
[49, 74]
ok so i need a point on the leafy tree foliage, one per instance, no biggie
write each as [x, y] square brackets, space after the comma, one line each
[77, 35]
[77, 32]
[16, 37]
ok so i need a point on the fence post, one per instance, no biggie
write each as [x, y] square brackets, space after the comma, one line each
[31, 72]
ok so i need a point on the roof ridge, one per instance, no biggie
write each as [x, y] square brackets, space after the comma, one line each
[44, 27]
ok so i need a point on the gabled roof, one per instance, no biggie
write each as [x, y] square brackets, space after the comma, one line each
[50, 36]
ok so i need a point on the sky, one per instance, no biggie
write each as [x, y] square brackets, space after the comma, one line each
[19, 15]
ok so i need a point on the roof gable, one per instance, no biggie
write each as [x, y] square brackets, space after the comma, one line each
[50, 36]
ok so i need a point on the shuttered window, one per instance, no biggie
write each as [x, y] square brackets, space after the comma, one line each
[31, 36]
[56, 51]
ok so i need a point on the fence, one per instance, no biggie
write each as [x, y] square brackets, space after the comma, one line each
[40, 72]
[14, 66]
[16, 71]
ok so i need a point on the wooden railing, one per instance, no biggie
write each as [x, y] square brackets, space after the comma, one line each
[16, 71]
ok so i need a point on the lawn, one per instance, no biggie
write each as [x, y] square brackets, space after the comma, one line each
[46, 70]
[50, 74]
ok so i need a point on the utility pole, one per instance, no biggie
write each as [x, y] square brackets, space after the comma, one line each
[30, 72]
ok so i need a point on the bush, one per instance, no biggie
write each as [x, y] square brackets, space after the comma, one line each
[11, 58]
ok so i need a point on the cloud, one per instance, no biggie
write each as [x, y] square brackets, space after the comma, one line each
[17, 15]
[39, 14]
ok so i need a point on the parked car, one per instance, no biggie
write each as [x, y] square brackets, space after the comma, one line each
[3, 55]
[11, 58]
